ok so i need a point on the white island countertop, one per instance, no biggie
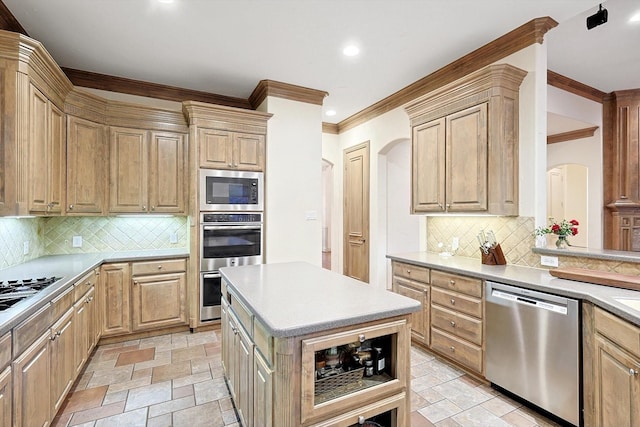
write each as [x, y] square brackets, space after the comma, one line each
[297, 298]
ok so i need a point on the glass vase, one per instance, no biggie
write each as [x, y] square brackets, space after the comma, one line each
[562, 242]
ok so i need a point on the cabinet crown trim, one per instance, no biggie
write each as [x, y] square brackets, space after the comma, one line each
[222, 117]
[479, 85]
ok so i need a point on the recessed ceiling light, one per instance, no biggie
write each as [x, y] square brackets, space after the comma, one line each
[331, 112]
[351, 50]
[165, 1]
[635, 18]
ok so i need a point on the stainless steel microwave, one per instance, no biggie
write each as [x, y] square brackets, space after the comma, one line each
[223, 190]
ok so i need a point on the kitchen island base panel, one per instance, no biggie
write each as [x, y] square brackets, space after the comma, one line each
[145, 334]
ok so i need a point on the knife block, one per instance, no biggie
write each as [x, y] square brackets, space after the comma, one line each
[494, 257]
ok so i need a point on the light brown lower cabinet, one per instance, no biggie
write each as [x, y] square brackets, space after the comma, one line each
[31, 385]
[262, 391]
[63, 369]
[143, 296]
[5, 397]
[611, 369]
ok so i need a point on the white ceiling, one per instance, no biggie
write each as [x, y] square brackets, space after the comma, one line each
[227, 46]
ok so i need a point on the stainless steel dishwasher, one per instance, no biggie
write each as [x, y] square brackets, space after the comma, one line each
[533, 348]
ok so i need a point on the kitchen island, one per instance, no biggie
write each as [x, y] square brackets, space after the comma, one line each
[299, 342]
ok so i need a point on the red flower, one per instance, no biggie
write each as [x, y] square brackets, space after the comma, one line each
[574, 222]
[555, 228]
[574, 230]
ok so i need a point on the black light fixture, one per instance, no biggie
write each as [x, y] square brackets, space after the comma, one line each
[598, 18]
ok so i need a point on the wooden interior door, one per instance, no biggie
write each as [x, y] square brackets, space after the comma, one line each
[356, 212]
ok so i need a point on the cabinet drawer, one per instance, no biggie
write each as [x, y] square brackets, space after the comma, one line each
[457, 324]
[159, 266]
[454, 282]
[457, 302]
[83, 285]
[617, 330]
[28, 331]
[62, 303]
[411, 271]
[468, 354]
[5, 350]
[263, 341]
[244, 316]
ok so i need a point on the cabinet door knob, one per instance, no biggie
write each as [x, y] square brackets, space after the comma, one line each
[53, 337]
[153, 208]
[448, 205]
[160, 267]
[361, 338]
[632, 372]
[453, 323]
[144, 207]
[453, 282]
[452, 348]
[70, 207]
[361, 419]
[453, 302]
[135, 282]
[408, 271]
[230, 165]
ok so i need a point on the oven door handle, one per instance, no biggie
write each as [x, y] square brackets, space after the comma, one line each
[231, 227]
[210, 275]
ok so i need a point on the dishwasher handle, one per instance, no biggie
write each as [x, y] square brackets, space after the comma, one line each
[529, 301]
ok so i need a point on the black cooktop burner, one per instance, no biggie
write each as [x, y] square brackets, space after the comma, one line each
[13, 291]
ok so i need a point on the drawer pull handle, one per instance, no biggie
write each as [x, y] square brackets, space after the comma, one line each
[88, 283]
[160, 267]
[361, 338]
[453, 282]
[408, 271]
[453, 302]
[135, 282]
[633, 372]
[452, 348]
[361, 420]
[453, 323]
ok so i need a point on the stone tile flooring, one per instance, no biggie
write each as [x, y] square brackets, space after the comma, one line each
[176, 380]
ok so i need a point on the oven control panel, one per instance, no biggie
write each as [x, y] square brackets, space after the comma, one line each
[231, 217]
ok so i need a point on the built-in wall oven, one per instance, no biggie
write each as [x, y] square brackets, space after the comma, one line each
[226, 239]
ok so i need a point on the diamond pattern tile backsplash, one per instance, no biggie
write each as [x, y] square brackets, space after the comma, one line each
[49, 236]
[515, 235]
[102, 234]
[13, 234]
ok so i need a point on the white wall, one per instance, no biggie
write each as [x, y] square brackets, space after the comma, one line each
[585, 151]
[293, 181]
[331, 153]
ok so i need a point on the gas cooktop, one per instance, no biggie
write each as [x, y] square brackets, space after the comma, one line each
[13, 291]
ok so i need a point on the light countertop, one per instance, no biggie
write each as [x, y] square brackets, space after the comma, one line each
[297, 298]
[70, 268]
[532, 278]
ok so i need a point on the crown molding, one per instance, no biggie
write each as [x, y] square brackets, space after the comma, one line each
[571, 135]
[565, 83]
[287, 91]
[153, 90]
[331, 128]
[530, 33]
[9, 22]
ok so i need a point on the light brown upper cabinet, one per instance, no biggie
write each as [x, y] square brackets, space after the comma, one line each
[46, 148]
[231, 150]
[227, 137]
[32, 149]
[86, 166]
[147, 171]
[465, 144]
